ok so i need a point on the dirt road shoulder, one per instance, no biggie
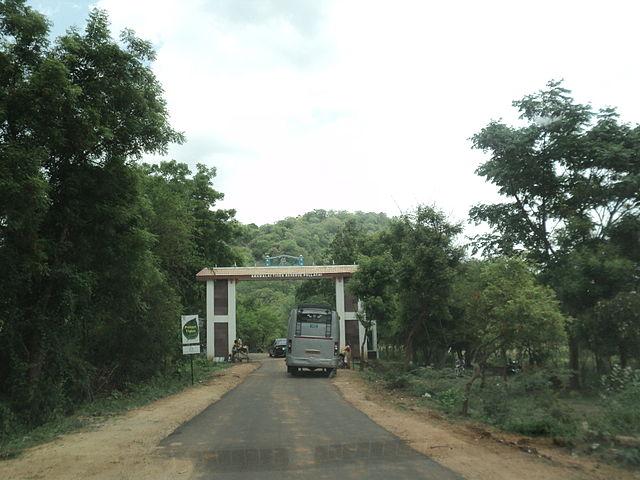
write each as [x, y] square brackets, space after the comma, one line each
[475, 454]
[124, 447]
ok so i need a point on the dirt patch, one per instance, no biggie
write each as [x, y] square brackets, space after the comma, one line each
[124, 447]
[475, 452]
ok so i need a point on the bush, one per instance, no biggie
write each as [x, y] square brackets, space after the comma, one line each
[496, 403]
[436, 381]
[541, 421]
[528, 404]
[619, 378]
[628, 456]
[397, 381]
[622, 410]
[450, 400]
[8, 421]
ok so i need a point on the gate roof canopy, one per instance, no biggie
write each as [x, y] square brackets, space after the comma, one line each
[276, 273]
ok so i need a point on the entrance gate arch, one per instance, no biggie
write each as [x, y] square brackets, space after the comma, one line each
[221, 301]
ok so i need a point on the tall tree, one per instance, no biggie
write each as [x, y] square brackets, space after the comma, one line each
[423, 246]
[570, 173]
[78, 275]
[570, 177]
[189, 232]
[374, 284]
[420, 251]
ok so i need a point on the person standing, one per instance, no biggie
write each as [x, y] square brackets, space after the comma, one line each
[346, 351]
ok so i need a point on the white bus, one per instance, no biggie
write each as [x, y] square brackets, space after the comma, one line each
[313, 339]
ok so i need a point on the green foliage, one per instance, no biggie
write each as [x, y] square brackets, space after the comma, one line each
[263, 311]
[317, 235]
[98, 254]
[614, 327]
[619, 378]
[528, 403]
[450, 399]
[570, 181]
[188, 231]
[623, 407]
[321, 290]
[499, 306]
[590, 273]
[15, 437]
[569, 175]
[541, 418]
[405, 280]
[397, 381]
[346, 245]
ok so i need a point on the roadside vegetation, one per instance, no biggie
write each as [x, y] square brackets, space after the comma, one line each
[98, 251]
[538, 330]
[16, 437]
[601, 422]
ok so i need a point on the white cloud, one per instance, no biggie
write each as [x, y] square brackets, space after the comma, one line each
[365, 104]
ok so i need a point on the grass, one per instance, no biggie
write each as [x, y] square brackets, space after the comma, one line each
[92, 413]
[532, 404]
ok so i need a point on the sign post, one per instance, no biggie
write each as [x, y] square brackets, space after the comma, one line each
[190, 338]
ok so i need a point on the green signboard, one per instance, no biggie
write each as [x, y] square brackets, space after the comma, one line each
[190, 334]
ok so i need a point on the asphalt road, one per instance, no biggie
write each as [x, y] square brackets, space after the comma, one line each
[274, 426]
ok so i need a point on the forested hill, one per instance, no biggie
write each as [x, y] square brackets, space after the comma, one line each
[322, 237]
[309, 235]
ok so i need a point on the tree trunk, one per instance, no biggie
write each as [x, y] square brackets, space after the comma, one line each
[504, 365]
[442, 358]
[363, 354]
[623, 358]
[467, 388]
[574, 362]
[600, 364]
[408, 345]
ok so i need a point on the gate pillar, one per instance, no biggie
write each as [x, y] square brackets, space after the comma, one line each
[221, 318]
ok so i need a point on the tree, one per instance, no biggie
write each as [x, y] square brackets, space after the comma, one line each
[347, 243]
[569, 175]
[614, 327]
[373, 284]
[344, 249]
[502, 308]
[411, 264]
[80, 287]
[263, 312]
[584, 276]
[421, 245]
[189, 233]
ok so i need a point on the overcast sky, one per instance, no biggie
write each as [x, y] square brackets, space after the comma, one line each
[364, 105]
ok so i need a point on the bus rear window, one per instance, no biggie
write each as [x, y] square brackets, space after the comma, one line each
[310, 324]
[307, 317]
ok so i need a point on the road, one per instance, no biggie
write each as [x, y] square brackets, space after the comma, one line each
[275, 426]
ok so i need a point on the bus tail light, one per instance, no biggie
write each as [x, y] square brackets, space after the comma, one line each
[335, 349]
[289, 345]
